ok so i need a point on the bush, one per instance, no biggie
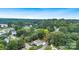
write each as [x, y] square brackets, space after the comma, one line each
[21, 43]
[2, 47]
[77, 45]
[12, 45]
[35, 47]
[48, 48]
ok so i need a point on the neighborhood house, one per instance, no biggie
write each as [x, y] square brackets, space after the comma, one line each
[3, 25]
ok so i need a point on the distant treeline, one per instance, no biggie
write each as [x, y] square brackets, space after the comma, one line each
[15, 20]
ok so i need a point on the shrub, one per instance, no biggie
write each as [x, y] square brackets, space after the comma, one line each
[35, 47]
[48, 48]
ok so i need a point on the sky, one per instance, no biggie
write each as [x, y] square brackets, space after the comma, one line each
[40, 13]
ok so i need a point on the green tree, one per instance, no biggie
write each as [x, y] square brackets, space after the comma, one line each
[77, 45]
[57, 38]
[21, 43]
[2, 47]
[60, 39]
[12, 45]
[74, 36]
[43, 34]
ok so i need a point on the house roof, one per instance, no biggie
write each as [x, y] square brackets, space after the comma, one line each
[38, 42]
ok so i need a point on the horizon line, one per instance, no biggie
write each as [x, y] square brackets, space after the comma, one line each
[38, 18]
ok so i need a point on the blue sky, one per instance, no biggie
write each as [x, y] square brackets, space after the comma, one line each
[40, 13]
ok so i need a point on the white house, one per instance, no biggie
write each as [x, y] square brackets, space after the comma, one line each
[3, 25]
[2, 32]
[38, 42]
[13, 32]
[28, 25]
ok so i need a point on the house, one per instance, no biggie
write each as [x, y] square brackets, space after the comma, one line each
[3, 25]
[7, 30]
[38, 42]
[13, 32]
[3, 32]
[28, 25]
